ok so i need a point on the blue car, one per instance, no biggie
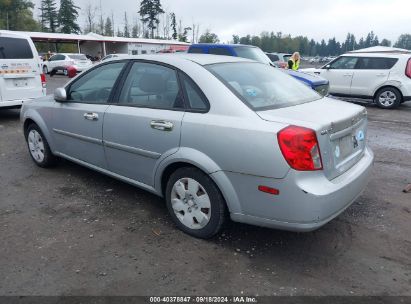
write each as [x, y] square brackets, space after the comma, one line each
[318, 84]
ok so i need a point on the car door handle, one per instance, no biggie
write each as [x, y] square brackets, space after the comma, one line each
[91, 116]
[161, 125]
[317, 73]
[347, 75]
[381, 75]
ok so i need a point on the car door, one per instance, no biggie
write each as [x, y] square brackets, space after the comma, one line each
[53, 61]
[78, 121]
[144, 127]
[340, 74]
[370, 73]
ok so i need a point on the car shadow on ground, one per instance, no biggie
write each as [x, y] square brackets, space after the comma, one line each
[7, 115]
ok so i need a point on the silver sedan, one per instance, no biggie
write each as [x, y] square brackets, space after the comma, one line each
[213, 135]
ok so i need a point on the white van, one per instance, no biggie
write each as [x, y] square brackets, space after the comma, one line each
[21, 75]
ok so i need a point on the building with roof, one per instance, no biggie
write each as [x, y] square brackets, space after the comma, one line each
[97, 45]
[381, 49]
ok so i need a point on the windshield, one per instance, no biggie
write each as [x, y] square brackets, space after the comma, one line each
[253, 54]
[261, 86]
[78, 57]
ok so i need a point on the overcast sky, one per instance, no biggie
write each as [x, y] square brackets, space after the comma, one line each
[316, 19]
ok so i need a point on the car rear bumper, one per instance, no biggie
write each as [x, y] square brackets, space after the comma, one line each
[307, 200]
[12, 103]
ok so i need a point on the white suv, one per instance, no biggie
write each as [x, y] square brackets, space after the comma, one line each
[61, 61]
[21, 77]
[382, 77]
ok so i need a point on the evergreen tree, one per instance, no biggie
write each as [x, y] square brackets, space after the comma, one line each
[50, 15]
[149, 12]
[174, 25]
[385, 42]
[68, 15]
[404, 42]
[119, 33]
[17, 15]
[108, 27]
[135, 31]
[126, 26]
[236, 39]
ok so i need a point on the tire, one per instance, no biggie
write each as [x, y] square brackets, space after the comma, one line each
[195, 203]
[388, 98]
[38, 146]
[45, 69]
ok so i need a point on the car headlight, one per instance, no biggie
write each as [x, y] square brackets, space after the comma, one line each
[323, 89]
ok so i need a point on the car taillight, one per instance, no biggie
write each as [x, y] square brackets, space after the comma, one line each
[43, 80]
[408, 69]
[300, 148]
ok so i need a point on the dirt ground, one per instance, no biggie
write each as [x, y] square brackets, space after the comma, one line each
[72, 231]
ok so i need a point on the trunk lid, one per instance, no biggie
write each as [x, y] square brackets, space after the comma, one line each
[341, 130]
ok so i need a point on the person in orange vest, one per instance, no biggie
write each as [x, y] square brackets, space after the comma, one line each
[294, 62]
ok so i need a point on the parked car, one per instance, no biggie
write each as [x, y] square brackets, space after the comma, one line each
[280, 60]
[112, 56]
[254, 53]
[214, 135]
[383, 77]
[21, 77]
[78, 61]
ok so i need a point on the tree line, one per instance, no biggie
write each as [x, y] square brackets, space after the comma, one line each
[150, 20]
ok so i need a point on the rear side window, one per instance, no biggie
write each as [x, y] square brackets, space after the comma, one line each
[78, 57]
[196, 50]
[375, 63]
[193, 95]
[15, 48]
[220, 51]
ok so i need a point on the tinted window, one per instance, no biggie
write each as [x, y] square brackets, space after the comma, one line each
[153, 86]
[220, 51]
[196, 50]
[15, 48]
[252, 53]
[375, 63]
[273, 57]
[262, 87]
[95, 86]
[194, 97]
[344, 63]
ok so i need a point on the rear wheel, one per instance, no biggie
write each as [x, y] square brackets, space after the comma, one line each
[45, 69]
[65, 72]
[38, 147]
[388, 98]
[195, 203]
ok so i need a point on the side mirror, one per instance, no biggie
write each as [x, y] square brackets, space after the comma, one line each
[60, 95]
[328, 66]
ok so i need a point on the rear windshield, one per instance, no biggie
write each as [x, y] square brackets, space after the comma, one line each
[253, 54]
[261, 86]
[78, 57]
[15, 48]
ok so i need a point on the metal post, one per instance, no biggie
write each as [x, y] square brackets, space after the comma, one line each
[104, 49]
[78, 46]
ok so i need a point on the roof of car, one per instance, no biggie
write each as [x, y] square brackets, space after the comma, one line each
[201, 59]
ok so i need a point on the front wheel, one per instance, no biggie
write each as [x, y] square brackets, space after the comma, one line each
[195, 203]
[388, 98]
[38, 147]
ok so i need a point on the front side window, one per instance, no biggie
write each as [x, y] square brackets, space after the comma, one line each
[375, 63]
[152, 86]
[15, 48]
[344, 63]
[96, 85]
[261, 86]
[273, 57]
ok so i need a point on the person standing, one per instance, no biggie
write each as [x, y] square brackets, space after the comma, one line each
[294, 62]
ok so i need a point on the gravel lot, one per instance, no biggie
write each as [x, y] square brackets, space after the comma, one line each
[72, 231]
